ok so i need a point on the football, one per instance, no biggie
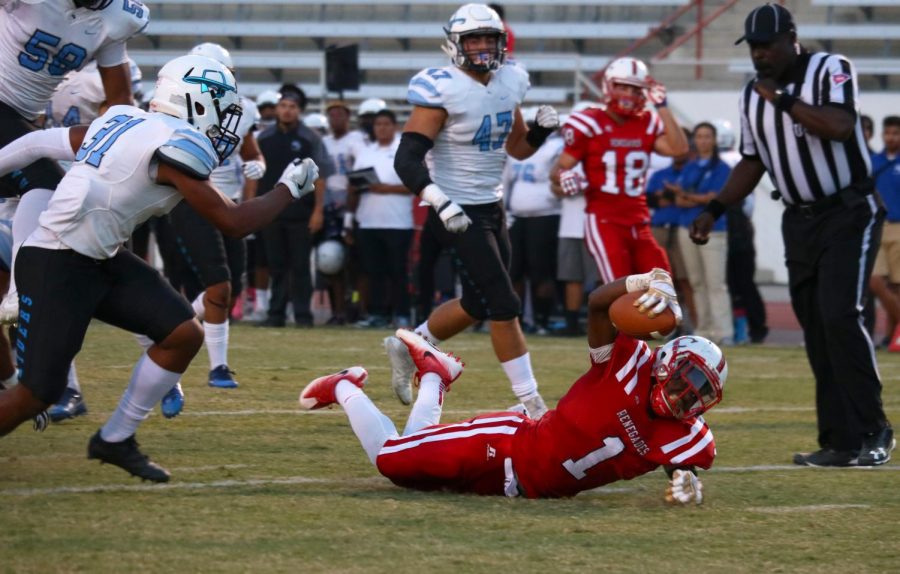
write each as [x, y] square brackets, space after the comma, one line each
[627, 319]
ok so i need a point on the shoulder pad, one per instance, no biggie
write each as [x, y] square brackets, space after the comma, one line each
[125, 19]
[515, 77]
[431, 88]
[190, 152]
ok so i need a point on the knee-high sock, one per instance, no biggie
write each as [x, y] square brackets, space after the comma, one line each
[371, 427]
[428, 406]
[149, 384]
[521, 377]
[215, 335]
[72, 380]
[423, 330]
[25, 221]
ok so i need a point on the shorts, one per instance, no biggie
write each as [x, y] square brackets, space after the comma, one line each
[574, 262]
[60, 291]
[887, 263]
[211, 257]
[622, 250]
[469, 456]
[482, 257]
[533, 243]
[42, 174]
[667, 238]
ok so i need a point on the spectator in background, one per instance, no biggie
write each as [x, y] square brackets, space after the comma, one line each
[510, 37]
[665, 223]
[868, 128]
[365, 116]
[700, 182]
[385, 227]
[266, 103]
[885, 280]
[288, 240]
[534, 211]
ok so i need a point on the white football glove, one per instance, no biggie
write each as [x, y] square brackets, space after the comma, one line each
[684, 488]
[300, 177]
[660, 293]
[254, 169]
[452, 215]
[656, 93]
[547, 117]
[572, 182]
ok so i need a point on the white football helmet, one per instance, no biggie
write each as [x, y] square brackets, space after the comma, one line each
[316, 122]
[214, 51]
[475, 19]
[690, 374]
[202, 92]
[629, 72]
[725, 136]
[267, 98]
[371, 106]
[330, 257]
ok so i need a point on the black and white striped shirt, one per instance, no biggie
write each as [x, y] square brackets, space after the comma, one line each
[803, 166]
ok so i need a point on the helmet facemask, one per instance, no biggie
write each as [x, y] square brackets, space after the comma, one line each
[624, 101]
[488, 60]
[92, 4]
[687, 383]
[223, 131]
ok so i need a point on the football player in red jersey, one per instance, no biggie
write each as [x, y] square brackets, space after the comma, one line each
[613, 143]
[635, 409]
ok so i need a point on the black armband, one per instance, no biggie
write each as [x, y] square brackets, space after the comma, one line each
[785, 102]
[409, 163]
[715, 207]
[537, 135]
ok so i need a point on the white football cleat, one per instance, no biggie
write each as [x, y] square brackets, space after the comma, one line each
[430, 359]
[320, 393]
[402, 368]
[9, 309]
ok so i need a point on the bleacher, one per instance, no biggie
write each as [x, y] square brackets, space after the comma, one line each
[273, 41]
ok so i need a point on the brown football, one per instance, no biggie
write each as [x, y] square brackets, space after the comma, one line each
[627, 319]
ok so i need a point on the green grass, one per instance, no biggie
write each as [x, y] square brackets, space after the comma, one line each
[277, 490]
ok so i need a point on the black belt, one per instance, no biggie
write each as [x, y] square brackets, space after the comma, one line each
[848, 196]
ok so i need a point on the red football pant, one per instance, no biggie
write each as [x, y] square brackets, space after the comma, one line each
[622, 250]
[462, 457]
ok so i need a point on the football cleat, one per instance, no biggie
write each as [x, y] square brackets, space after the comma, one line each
[9, 309]
[320, 393]
[173, 401]
[222, 378]
[430, 359]
[402, 368]
[71, 405]
[826, 457]
[876, 449]
[127, 456]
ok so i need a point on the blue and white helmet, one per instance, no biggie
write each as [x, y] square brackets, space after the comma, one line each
[215, 51]
[202, 92]
[475, 19]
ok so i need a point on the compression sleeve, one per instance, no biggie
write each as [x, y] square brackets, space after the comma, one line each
[409, 163]
[24, 151]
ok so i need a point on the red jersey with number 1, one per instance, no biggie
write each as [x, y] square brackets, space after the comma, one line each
[603, 431]
[615, 158]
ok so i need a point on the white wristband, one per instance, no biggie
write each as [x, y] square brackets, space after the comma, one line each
[639, 282]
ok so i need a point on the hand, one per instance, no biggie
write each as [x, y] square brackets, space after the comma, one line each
[684, 488]
[701, 227]
[572, 182]
[766, 87]
[452, 215]
[254, 169]
[656, 93]
[547, 117]
[660, 294]
[300, 177]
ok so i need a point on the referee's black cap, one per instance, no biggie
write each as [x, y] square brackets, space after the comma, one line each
[765, 23]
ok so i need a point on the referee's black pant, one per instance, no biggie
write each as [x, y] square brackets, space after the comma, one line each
[829, 260]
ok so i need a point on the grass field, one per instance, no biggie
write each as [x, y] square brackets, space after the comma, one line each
[259, 486]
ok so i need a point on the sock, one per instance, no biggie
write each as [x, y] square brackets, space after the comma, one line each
[216, 339]
[371, 427]
[199, 306]
[149, 384]
[426, 411]
[144, 341]
[72, 379]
[426, 334]
[262, 300]
[29, 210]
[520, 375]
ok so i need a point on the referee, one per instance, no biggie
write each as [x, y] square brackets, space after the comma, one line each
[800, 123]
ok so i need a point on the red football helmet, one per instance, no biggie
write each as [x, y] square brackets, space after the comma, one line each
[690, 374]
[619, 75]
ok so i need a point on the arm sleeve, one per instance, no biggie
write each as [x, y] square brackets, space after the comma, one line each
[432, 88]
[578, 129]
[748, 144]
[839, 85]
[51, 144]
[190, 152]
[112, 55]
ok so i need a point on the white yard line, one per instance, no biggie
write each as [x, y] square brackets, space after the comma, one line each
[779, 467]
[807, 508]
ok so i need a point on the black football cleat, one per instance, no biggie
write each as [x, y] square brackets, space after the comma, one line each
[876, 448]
[826, 457]
[128, 457]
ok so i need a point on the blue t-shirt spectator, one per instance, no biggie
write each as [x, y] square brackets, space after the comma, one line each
[669, 215]
[703, 176]
[887, 182]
